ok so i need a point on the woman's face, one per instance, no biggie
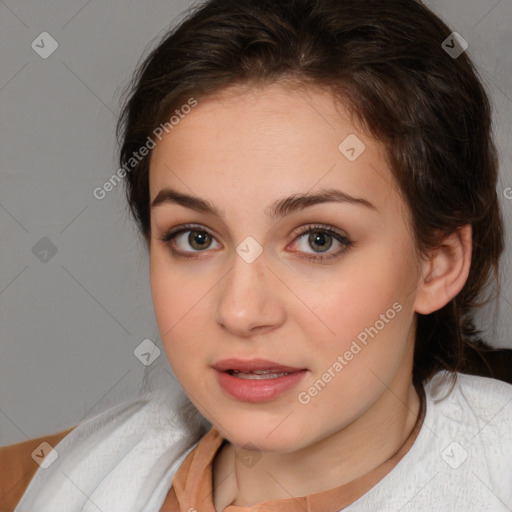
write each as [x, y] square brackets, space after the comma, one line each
[248, 283]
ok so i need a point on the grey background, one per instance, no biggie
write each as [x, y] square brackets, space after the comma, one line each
[69, 326]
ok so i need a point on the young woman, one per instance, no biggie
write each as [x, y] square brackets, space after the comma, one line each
[315, 181]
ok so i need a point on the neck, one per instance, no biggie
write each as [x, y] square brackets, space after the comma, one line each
[346, 455]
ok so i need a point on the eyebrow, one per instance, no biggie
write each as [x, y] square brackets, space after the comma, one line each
[278, 209]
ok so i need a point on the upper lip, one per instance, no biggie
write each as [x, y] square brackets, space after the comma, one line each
[249, 365]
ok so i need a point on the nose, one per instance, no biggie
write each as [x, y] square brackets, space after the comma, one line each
[248, 301]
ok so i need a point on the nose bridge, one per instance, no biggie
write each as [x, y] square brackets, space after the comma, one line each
[245, 301]
[245, 284]
[248, 267]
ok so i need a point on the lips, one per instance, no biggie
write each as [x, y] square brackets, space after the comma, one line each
[256, 380]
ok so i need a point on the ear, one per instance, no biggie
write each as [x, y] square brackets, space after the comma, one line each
[445, 271]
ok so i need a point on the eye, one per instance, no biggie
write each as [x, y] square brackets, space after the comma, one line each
[198, 238]
[321, 237]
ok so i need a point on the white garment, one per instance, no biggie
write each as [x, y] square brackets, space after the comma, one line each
[124, 459]
[462, 457]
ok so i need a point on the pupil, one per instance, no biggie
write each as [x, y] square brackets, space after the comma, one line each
[319, 238]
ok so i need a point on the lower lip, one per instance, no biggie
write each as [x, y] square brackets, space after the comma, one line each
[257, 390]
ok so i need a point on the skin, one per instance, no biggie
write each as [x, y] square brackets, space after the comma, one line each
[241, 150]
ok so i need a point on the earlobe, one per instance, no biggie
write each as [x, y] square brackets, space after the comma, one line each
[445, 271]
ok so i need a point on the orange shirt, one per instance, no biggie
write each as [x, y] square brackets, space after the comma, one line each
[17, 467]
[192, 484]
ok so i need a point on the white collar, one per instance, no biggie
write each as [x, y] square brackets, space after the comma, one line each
[123, 459]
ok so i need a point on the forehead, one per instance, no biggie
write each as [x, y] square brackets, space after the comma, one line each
[261, 139]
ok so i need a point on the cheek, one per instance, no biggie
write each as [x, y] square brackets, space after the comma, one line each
[183, 312]
[177, 304]
[370, 320]
[368, 300]
[174, 292]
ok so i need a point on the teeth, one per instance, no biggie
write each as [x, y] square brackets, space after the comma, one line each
[258, 374]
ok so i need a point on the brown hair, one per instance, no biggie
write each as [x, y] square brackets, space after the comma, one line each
[384, 60]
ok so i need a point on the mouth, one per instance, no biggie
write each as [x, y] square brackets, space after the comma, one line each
[258, 374]
[256, 380]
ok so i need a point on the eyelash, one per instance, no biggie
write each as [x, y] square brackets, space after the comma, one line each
[168, 237]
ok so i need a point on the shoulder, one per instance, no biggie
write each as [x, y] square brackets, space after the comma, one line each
[18, 464]
[473, 442]
[480, 388]
[490, 401]
[472, 397]
[477, 413]
[481, 394]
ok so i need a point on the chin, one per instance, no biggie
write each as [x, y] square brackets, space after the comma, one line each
[262, 435]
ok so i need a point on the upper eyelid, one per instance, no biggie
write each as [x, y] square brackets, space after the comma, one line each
[301, 229]
[184, 228]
